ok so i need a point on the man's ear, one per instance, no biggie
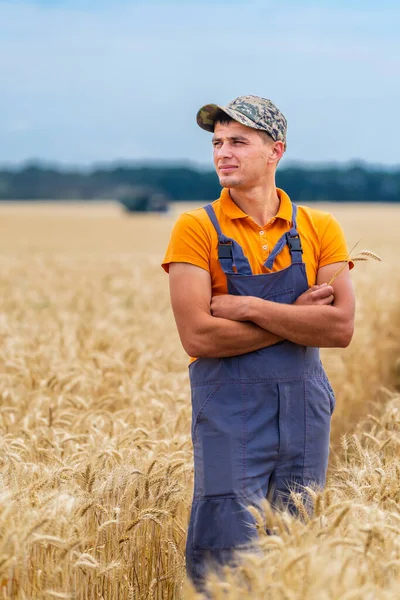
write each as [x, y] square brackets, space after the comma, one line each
[277, 151]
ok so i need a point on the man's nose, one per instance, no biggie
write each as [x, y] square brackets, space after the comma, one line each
[224, 150]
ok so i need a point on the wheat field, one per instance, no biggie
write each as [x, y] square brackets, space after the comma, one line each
[96, 457]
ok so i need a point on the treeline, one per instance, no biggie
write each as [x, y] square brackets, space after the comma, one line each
[353, 182]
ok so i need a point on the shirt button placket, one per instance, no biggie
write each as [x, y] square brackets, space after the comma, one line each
[264, 246]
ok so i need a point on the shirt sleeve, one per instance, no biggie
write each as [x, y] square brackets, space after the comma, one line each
[333, 244]
[189, 243]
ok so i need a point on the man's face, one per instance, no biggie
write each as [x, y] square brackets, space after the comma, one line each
[242, 157]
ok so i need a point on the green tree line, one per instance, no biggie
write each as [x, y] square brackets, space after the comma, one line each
[352, 182]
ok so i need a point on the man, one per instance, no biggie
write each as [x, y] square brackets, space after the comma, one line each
[248, 280]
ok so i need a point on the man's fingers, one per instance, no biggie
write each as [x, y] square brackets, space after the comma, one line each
[328, 300]
[323, 291]
[324, 301]
[316, 288]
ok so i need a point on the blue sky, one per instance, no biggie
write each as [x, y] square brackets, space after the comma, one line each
[85, 82]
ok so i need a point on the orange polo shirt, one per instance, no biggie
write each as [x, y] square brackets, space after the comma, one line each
[194, 239]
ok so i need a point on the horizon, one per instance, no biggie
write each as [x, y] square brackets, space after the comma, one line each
[176, 164]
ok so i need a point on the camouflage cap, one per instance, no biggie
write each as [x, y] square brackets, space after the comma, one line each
[252, 111]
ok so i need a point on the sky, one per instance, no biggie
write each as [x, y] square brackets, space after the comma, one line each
[88, 82]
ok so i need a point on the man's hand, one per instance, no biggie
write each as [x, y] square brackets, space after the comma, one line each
[316, 295]
[230, 307]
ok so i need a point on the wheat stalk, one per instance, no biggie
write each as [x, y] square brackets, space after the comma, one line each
[362, 256]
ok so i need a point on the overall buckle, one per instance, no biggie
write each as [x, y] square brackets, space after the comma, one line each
[294, 243]
[225, 250]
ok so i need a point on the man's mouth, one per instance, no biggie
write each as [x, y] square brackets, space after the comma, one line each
[224, 169]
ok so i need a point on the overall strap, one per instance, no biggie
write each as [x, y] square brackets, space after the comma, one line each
[292, 239]
[230, 253]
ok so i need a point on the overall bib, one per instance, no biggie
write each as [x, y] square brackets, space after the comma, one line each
[260, 421]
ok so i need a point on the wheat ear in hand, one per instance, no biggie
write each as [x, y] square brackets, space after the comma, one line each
[362, 256]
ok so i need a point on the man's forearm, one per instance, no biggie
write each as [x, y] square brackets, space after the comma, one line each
[222, 338]
[318, 326]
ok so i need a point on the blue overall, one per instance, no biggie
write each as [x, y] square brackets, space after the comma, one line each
[260, 421]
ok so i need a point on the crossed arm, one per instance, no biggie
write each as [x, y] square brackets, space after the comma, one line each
[228, 325]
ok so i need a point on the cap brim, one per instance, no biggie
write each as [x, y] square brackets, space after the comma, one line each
[206, 117]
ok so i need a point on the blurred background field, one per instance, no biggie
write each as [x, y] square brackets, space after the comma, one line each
[103, 226]
[96, 469]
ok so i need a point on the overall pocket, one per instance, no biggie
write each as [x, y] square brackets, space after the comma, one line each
[218, 442]
[318, 409]
[201, 396]
[331, 394]
[282, 297]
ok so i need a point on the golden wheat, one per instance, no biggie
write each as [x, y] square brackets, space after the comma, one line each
[96, 457]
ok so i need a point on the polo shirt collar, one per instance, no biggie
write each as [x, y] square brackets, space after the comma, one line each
[232, 211]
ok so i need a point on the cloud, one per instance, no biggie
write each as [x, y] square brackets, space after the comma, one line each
[127, 78]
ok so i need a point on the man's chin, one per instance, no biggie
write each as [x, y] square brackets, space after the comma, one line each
[228, 181]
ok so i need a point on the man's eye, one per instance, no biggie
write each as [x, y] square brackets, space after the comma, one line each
[237, 142]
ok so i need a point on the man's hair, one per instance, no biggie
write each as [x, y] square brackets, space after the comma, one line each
[223, 118]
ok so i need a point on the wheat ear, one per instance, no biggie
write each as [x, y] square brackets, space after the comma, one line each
[362, 256]
[365, 255]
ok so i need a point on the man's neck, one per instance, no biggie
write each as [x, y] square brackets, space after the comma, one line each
[260, 203]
